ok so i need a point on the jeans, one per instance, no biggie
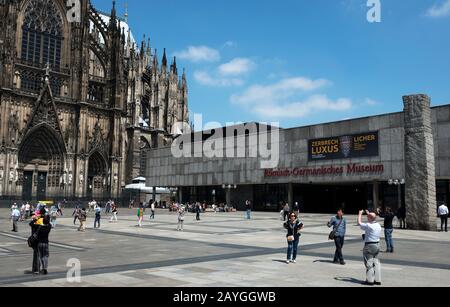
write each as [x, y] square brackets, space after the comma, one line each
[389, 241]
[339, 242]
[198, 216]
[286, 214]
[43, 255]
[292, 249]
[97, 221]
[53, 222]
[444, 222]
[153, 214]
[14, 222]
[249, 214]
[372, 263]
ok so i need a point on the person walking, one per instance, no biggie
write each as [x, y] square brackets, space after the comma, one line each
[443, 214]
[98, 216]
[114, 213]
[108, 207]
[76, 214]
[27, 211]
[286, 210]
[371, 248]
[401, 215]
[82, 218]
[293, 227]
[140, 215]
[60, 209]
[248, 208]
[388, 216]
[15, 217]
[197, 211]
[53, 216]
[152, 208]
[181, 213]
[22, 212]
[297, 209]
[339, 224]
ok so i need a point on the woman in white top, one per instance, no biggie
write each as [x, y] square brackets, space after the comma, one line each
[181, 213]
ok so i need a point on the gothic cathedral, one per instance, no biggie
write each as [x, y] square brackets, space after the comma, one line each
[80, 102]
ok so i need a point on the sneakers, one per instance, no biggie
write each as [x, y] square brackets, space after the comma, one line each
[342, 263]
[294, 261]
[288, 261]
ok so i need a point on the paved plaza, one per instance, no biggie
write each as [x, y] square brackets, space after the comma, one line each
[221, 250]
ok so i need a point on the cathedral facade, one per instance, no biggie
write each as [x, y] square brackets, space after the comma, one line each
[80, 102]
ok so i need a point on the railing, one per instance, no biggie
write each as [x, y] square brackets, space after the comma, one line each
[41, 67]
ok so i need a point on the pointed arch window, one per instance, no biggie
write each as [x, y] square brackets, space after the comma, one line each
[42, 34]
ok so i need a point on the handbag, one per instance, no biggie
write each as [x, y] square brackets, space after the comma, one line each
[33, 239]
[332, 234]
[291, 239]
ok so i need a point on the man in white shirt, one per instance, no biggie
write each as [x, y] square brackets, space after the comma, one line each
[371, 248]
[443, 214]
[152, 208]
[15, 217]
[27, 210]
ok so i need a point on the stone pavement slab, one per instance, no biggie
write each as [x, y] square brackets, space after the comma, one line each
[221, 250]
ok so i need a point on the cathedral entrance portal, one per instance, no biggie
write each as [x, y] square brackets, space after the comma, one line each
[41, 159]
[96, 180]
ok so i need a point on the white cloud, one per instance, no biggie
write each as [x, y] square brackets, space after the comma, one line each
[205, 78]
[441, 10]
[236, 67]
[229, 44]
[370, 102]
[300, 109]
[199, 54]
[283, 89]
[286, 99]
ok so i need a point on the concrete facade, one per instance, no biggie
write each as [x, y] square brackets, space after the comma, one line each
[165, 170]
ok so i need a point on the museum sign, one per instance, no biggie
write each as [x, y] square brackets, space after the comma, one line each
[344, 147]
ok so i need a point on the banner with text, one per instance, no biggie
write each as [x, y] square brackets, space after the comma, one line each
[344, 147]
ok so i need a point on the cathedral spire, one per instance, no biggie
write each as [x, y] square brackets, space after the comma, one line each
[164, 59]
[174, 66]
[143, 47]
[129, 37]
[183, 78]
[149, 49]
[155, 60]
[113, 11]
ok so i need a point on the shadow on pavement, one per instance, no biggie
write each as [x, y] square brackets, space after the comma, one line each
[349, 280]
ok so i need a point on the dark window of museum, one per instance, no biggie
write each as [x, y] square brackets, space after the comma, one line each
[42, 34]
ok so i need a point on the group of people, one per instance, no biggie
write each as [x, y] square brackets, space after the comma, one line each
[81, 214]
[27, 210]
[372, 236]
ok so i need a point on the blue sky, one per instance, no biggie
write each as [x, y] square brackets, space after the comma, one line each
[299, 62]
